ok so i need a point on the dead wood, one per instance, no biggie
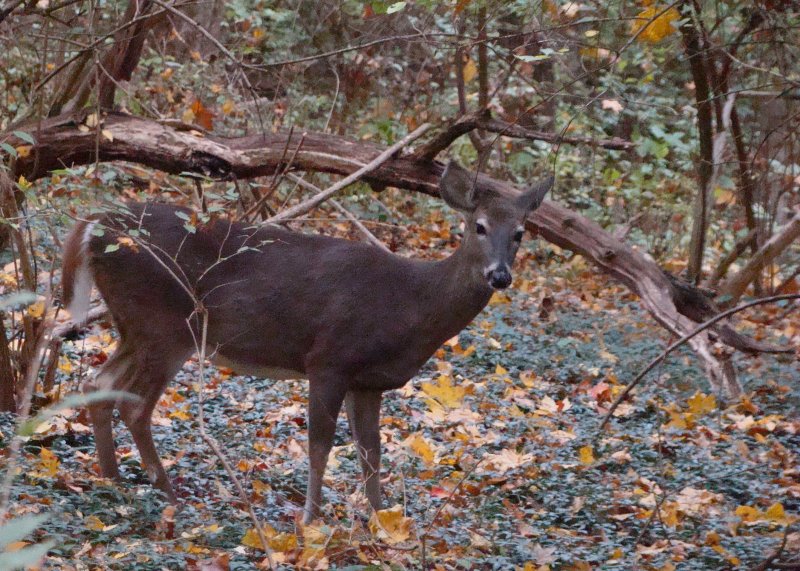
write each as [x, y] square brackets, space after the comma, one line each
[60, 142]
[482, 119]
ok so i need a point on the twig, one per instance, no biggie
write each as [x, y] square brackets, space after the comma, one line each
[482, 120]
[736, 284]
[725, 263]
[770, 561]
[702, 327]
[24, 410]
[371, 238]
[212, 443]
[71, 327]
[315, 201]
[7, 9]
[261, 201]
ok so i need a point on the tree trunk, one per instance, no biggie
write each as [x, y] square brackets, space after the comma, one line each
[8, 378]
[702, 93]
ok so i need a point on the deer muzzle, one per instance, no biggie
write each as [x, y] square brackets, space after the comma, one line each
[499, 278]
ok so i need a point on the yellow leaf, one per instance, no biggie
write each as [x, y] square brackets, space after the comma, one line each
[228, 107]
[251, 539]
[748, 513]
[654, 27]
[669, 514]
[94, 523]
[49, 462]
[419, 446]
[470, 71]
[586, 455]
[775, 513]
[283, 542]
[500, 370]
[391, 525]
[24, 151]
[64, 365]
[701, 404]
[36, 310]
[180, 414]
[445, 392]
[260, 487]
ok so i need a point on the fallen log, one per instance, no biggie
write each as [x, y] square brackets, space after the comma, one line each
[66, 141]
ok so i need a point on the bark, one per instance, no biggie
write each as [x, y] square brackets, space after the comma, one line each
[702, 94]
[736, 285]
[8, 377]
[60, 142]
[31, 326]
[725, 263]
[482, 119]
[746, 180]
[118, 64]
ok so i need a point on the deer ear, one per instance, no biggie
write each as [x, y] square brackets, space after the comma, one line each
[533, 196]
[457, 187]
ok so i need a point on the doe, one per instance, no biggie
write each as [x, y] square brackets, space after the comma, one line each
[352, 319]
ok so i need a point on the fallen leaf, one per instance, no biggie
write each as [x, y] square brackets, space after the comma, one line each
[391, 525]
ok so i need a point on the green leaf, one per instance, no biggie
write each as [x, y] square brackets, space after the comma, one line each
[25, 137]
[396, 7]
[9, 149]
[111, 248]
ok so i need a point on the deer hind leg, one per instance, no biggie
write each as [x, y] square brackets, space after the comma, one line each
[152, 375]
[324, 402]
[363, 412]
[113, 375]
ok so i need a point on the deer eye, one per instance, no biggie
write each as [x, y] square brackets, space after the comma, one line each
[518, 235]
[480, 229]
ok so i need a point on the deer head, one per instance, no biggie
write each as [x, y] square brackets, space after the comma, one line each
[494, 223]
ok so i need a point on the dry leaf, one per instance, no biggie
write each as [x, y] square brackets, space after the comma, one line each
[391, 525]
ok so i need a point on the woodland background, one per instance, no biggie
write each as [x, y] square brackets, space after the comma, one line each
[672, 129]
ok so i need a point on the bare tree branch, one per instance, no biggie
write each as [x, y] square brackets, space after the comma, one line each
[61, 142]
[697, 331]
[736, 284]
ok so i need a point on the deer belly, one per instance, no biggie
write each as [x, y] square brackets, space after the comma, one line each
[254, 370]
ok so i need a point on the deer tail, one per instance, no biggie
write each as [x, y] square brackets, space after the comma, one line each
[77, 278]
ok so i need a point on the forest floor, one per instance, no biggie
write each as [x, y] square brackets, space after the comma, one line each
[493, 458]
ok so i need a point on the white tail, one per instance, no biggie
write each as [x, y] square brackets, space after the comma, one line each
[353, 319]
[78, 282]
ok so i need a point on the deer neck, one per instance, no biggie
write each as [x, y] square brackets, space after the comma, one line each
[461, 289]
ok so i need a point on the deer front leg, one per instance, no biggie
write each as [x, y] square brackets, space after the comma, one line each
[324, 402]
[363, 411]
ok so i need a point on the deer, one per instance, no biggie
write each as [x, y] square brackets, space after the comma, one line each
[351, 318]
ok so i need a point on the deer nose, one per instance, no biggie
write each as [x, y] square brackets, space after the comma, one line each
[499, 278]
